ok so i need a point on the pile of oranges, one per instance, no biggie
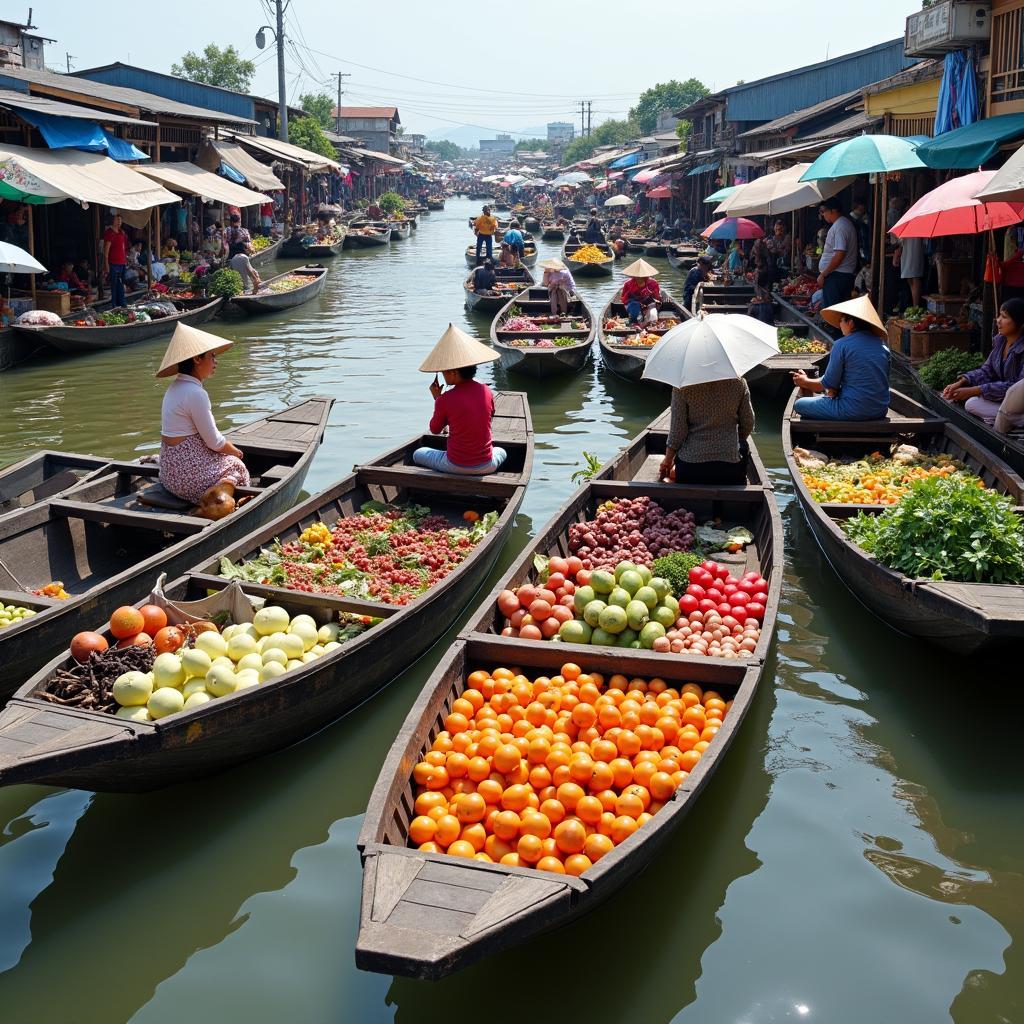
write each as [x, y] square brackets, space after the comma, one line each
[553, 773]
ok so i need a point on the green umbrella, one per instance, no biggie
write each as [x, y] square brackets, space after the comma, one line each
[865, 154]
[722, 193]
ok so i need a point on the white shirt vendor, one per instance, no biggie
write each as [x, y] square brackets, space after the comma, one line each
[841, 237]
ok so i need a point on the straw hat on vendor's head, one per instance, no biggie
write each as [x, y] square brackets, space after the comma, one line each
[641, 268]
[552, 264]
[861, 310]
[186, 343]
[455, 350]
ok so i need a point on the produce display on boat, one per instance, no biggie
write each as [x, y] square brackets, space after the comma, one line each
[386, 553]
[609, 591]
[947, 366]
[285, 284]
[791, 343]
[590, 254]
[564, 341]
[553, 772]
[13, 613]
[261, 242]
[157, 669]
[876, 479]
[137, 313]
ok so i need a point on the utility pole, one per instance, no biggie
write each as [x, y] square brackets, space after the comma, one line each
[69, 57]
[337, 120]
[583, 120]
[282, 98]
[589, 104]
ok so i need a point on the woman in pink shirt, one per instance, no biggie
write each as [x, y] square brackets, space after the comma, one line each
[466, 411]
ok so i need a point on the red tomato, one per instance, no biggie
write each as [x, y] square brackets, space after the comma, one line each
[582, 575]
[715, 594]
[760, 597]
[709, 566]
[722, 572]
[725, 608]
[755, 610]
[729, 588]
[569, 587]
[688, 603]
[748, 586]
[575, 565]
[706, 580]
[695, 574]
[555, 580]
[707, 605]
[567, 601]
[559, 565]
[740, 598]
[696, 590]
[739, 614]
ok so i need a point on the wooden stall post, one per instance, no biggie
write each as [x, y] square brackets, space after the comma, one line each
[32, 251]
[881, 249]
[149, 248]
[98, 251]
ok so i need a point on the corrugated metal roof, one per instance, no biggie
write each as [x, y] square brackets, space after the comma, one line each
[14, 100]
[126, 97]
[787, 121]
[856, 122]
[366, 112]
[921, 72]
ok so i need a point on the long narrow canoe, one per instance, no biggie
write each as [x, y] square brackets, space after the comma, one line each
[528, 260]
[552, 232]
[774, 376]
[110, 754]
[267, 254]
[106, 545]
[511, 280]
[268, 301]
[43, 475]
[681, 257]
[75, 340]
[367, 237]
[426, 915]
[1008, 447]
[963, 617]
[322, 250]
[543, 362]
[400, 230]
[627, 360]
[435, 203]
[603, 269]
[656, 249]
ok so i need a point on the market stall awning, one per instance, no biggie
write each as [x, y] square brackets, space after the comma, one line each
[385, 158]
[305, 158]
[781, 192]
[74, 133]
[701, 169]
[967, 148]
[218, 154]
[186, 177]
[1008, 184]
[629, 160]
[722, 193]
[40, 176]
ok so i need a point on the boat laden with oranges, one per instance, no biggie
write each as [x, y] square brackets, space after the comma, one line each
[533, 778]
[107, 538]
[304, 562]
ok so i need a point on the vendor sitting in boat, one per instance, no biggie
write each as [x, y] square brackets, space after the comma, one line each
[466, 410]
[515, 240]
[593, 232]
[559, 283]
[699, 272]
[484, 278]
[641, 293]
[985, 390]
[197, 463]
[856, 382]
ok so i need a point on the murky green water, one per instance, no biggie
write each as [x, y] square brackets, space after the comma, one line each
[857, 858]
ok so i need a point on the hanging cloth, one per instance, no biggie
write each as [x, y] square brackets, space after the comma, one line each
[958, 95]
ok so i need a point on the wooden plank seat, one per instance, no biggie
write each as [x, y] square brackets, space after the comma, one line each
[99, 513]
[492, 484]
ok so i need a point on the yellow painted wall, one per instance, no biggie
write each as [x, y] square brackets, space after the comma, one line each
[918, 98]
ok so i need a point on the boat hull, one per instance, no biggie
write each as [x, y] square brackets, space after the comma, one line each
[277, 301]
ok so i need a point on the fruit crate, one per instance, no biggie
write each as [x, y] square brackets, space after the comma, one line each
[945, 305]
[926, 343]
[898, 332]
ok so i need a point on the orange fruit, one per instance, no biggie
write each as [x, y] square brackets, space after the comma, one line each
[449, 828]
[603, 777]
[428, 800]
[460, 848]
[597, 846]
[471, 808]
[429, 848]
[622, 828]
[491, 791]
[551, 864]
[535, 824]
[688, 760]
[570, 836]
[496, 848]
[622, 771]
[577, 864]
[629, 804]
[552, 810]
[569, 794]
[506, 824]
[421, 772]
[478, 769]
[506, 758]
[661, 785]
[529, 849]
[475, 835]
[515, 798]
[422, 829]
[589, 809]
[512, 860]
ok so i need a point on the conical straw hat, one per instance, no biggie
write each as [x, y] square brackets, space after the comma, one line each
[640, 269]
[552, 265]
[456, 349]
[861, 308]
[187, 342]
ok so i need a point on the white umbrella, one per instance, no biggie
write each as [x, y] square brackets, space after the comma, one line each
[781, 192]
[619, 201]
[14, 260]
[571, 178]
[720, 346]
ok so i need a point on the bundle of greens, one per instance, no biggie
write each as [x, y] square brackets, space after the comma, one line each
[947, 366]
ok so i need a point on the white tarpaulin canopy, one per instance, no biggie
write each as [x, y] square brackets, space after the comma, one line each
[781, 192]
[187, 177]
[40, 176]
[312, 162]
[216, 152]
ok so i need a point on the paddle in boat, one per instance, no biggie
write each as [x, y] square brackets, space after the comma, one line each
[284, 291]
[531, 339]
[426, 912]
[382, 631]
[961, 616]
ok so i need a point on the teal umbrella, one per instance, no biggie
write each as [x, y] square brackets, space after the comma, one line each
[864, 154]
[722, 193]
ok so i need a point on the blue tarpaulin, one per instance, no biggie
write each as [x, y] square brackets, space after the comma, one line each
[74, 133]
[702, 169]
[967, 148]
[625, 161]
[231, 174]
[958, 95]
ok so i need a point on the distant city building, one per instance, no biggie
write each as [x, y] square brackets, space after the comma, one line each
[667, 122]
[376, 126]
[560, 132]
[500, 145]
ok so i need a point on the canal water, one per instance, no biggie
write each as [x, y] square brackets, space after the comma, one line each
[858, 857]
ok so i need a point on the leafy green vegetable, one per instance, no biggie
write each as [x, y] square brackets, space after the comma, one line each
[947, 366]
[676, 569]
[266, 567]
[946, 529]
[593, 464]
[224, 282]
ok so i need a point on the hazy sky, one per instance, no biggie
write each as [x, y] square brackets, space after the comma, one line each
[493, 66]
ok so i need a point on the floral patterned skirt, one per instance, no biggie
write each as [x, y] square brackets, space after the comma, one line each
[189, 469]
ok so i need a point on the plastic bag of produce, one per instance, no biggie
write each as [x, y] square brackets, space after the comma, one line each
[231, 600]
[40, 318]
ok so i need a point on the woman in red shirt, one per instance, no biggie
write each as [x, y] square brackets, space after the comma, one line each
[465, 410]
[641, 293]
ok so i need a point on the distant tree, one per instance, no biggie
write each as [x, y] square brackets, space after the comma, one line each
[320, 106]
[532, 145]
[671, 95]
[216, 67]
[307, 133]
[683, 129]
[444, 149]
[608, 133]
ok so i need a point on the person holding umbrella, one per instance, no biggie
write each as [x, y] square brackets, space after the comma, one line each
[856, 381]
[465, 411]
[641, 293]
[704, 360]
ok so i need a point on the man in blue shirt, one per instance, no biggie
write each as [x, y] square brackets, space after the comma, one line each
[514, 239]
[700, 271]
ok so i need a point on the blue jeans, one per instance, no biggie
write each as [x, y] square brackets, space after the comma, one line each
[481, 240]
[821, 407]
[117, 284]
[434, 458]
[837, 288]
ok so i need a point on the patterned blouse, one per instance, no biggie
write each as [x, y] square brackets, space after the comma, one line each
[709, 421]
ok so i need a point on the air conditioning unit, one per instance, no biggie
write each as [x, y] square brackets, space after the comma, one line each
[946, 26]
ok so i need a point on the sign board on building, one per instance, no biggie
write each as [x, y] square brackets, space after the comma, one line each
[945, 26]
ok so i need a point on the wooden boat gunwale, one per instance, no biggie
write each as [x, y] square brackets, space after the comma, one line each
[271, 301]
[541, 362]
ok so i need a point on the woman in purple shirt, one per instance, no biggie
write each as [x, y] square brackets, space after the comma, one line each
[984, 389]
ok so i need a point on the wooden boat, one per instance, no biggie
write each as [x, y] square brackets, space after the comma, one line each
[774, 376]
[531, 222]
[110, 754]
[588, 269]
[426, 915]
[963, 617]
[268, 254]
[714, 297]
[43, 475]
[74, 340]
[656, 249]
[681, 257]
[321, 250]
[435, 203]
[628, 361]
[552, 232]
[515, 278]
[400, 230]
[635, 243]
[543, 362]
[529, 258]
[270, 301]
[1008, 447]
[106, 540]
[367, 237]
